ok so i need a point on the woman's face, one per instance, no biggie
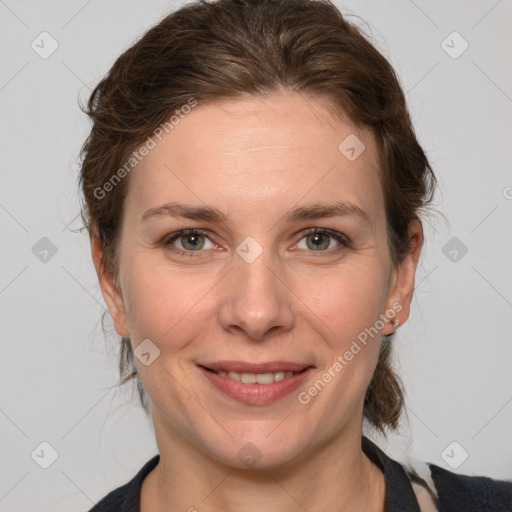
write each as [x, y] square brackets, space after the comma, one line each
[257, 291]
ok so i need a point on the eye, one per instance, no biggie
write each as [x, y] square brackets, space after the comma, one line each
[323, 240]
[189, 241]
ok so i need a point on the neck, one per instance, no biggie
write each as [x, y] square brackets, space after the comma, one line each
[336, 476]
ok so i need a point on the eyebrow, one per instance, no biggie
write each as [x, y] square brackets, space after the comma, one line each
[308, 212]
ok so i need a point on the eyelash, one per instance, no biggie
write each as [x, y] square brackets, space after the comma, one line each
[343, 240]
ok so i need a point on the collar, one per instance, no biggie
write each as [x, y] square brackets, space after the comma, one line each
[399, 492]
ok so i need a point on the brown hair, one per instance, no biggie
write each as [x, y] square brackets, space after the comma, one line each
[209, 50]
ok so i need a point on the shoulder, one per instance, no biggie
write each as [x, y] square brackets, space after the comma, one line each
[427, 486]
[113, 501]
[126, 497]
[471, 493]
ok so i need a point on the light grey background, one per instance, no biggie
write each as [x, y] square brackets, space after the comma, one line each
[57, 371]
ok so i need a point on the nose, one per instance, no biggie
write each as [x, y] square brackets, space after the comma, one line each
[256, 300]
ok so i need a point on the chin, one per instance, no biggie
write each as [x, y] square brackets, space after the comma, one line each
[261, 446]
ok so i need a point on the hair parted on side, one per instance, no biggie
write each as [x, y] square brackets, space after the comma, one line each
[211, 50]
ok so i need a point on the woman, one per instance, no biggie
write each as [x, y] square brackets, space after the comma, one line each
[252, 189]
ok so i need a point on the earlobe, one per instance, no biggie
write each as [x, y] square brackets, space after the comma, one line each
[400, 296]
[112, 296]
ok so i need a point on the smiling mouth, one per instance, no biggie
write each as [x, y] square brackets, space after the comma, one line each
[256, 383]
[256, 378]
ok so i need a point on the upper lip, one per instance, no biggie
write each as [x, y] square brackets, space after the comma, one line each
[246, 367]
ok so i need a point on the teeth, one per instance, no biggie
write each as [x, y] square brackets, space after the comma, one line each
[252, 378]
[248, 378]
[263, 378]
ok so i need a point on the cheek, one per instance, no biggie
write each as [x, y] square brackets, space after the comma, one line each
[346, 301]
[347, 307]
[171, 306]
[168, 306]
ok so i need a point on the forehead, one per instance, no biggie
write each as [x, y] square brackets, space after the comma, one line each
[260, 153]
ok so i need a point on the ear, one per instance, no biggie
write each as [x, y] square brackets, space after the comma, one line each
[111, 294]
[402, 280]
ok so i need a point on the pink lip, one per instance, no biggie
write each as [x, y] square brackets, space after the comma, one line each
[257, 394]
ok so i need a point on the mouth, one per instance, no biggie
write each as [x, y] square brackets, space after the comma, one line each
[255, 383]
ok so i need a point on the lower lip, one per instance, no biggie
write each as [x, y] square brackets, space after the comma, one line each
[256, 394]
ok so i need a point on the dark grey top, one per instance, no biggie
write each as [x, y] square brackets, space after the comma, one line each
[456, 493]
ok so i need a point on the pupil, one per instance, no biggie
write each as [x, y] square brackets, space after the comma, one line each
[192, 241]
[318, 241]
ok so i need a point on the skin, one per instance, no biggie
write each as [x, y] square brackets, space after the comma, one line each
[256, 158]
